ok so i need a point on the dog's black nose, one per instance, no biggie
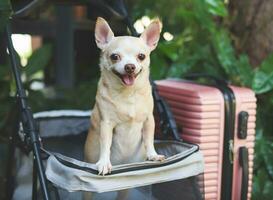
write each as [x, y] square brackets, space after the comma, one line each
[129, 68]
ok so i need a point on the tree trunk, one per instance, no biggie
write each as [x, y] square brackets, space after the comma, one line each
[252, 28]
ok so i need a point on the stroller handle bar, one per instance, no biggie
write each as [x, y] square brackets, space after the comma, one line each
[22, 12]
[116, 8]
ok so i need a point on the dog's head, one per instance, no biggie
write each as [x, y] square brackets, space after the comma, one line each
[126, 57]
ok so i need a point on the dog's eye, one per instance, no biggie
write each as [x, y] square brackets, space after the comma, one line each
[141, 56]
[114, 57]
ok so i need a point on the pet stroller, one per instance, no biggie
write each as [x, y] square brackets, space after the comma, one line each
[51, 142]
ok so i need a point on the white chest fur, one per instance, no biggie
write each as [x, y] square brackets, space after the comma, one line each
[134, 108]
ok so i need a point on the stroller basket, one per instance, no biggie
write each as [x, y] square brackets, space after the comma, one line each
[63, 134]
[74, 175]
[183, 160]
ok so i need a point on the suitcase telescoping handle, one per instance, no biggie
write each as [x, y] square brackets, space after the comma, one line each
[243, 160]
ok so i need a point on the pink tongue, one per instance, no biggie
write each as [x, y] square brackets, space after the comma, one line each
[128, 80]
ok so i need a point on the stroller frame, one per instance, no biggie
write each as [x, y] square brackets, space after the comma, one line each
[32, 141]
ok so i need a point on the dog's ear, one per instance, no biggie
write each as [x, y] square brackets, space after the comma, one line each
[103, 33]
[151, 34]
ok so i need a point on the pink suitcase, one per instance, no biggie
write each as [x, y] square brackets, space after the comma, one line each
[220, 118]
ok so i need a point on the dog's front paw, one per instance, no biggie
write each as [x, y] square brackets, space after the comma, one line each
[104, 167]
[156, 157]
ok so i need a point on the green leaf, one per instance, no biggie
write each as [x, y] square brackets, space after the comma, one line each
[158, 66]
[259, 142]
[178, 69]
[245, 70]
[217, 7]
[262, 82]
[267, 153]
[262, 186]
[262, 177]
[225, 52]
[169, 49]
[268, 190]
[267, 64]
[263, 78]
[38, 60]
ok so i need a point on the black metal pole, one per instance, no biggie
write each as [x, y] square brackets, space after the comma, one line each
[34, 181]
[27, 116]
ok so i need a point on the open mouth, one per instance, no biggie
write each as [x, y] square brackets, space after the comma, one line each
[127, 79]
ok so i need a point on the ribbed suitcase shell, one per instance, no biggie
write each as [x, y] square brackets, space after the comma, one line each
[200, 111]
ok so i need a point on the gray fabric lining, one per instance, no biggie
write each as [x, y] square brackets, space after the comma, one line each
[78, 180]
[63, 122]
[62, 127]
